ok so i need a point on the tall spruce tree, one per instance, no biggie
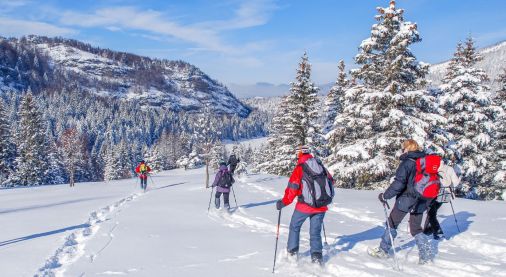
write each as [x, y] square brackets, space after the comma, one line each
[387, 107]
[278, 157]
[302, 113]
[32, 158]
[333, 102]
[471, 115]
[385, 59]
[7, 148]
[499, 180]
[295, 124]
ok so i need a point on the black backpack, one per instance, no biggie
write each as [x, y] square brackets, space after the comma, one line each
[318, 188]
[226, 180]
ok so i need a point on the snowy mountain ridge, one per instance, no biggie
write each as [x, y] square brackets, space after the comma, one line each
[494, 60]
[175, 85]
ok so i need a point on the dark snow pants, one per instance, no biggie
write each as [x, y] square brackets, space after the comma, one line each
[226, 197]
[415, 221]
[395, 218]
[232, 168]
[431, 223]
[415, 226]
[144, 183]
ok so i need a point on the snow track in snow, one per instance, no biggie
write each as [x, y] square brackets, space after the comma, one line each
[74, 244]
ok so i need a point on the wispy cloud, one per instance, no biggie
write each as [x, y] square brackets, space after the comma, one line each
[205, 35]
[14, 27]
[9, 5]
[249, 14]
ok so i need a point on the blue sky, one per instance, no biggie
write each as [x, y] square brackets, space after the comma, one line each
[249, 41]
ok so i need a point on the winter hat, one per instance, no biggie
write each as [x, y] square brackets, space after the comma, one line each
[142, 161]
[303, 149]
[223, 163]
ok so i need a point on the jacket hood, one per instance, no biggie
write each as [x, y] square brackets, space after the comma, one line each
[412, 155]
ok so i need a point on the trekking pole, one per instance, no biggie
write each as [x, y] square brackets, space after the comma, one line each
[454, 217]
[235, 199]
[386, 208]
[152, 181]
[277, 239]
[325, 235]
[210, 197]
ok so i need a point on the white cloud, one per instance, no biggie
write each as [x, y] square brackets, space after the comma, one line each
[7, 5]
[145, 20]
[205, 35]
[14, 28]
[249, 14]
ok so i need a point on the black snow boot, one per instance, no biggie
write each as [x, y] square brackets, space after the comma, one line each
[317, 258]
[293, 255]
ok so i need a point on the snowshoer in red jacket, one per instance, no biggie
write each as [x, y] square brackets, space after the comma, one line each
[311, 183]
[143, 169]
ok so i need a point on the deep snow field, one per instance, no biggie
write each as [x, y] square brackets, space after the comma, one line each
[113, 229]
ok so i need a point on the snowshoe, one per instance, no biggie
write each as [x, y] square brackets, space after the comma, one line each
[377, 252]
[423, 262]
[293, 256]
[317, 258]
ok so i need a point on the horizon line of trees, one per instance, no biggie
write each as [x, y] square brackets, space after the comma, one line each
[73, 136]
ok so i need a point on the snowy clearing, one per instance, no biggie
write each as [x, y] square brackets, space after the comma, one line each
[104, 229]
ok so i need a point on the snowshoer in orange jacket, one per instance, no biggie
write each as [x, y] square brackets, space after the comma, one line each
[143, 169]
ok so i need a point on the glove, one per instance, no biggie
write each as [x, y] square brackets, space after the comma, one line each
[279, 205]
[383, 200]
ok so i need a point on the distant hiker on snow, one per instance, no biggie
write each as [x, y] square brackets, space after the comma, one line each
[409, 199]
[143, 169]
[311, 183]
[232, 162]
[449, 180]
[223, 182]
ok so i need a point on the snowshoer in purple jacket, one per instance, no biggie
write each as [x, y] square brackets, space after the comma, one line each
[223, 181]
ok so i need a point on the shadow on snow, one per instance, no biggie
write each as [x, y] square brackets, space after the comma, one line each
[44, 234]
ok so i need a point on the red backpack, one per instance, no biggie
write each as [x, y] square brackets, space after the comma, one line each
[427, 183]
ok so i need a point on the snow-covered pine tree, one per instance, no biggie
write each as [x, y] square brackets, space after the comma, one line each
[499, 180]
[217, 155]
[471, 115]
[7, 149]
[385, 59]
[242, 166]
[388, 107]
[278, 157]
[205, 134]
[295, 123]
[72, 148]
[333, 101]
[302, 113]
[111, 166]
[32, 157]
[126, 164]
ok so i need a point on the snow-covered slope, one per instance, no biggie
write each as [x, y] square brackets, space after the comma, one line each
[103, 229]
[494, 61]
[176, 85]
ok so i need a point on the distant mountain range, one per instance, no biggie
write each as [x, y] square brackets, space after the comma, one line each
[263, 89]
[58, 64]
[494, 60]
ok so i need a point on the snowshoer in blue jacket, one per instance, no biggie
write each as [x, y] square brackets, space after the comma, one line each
[223, 182]
[406, 202]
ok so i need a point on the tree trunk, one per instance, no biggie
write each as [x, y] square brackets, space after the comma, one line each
[207, 174]
[72, 177]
